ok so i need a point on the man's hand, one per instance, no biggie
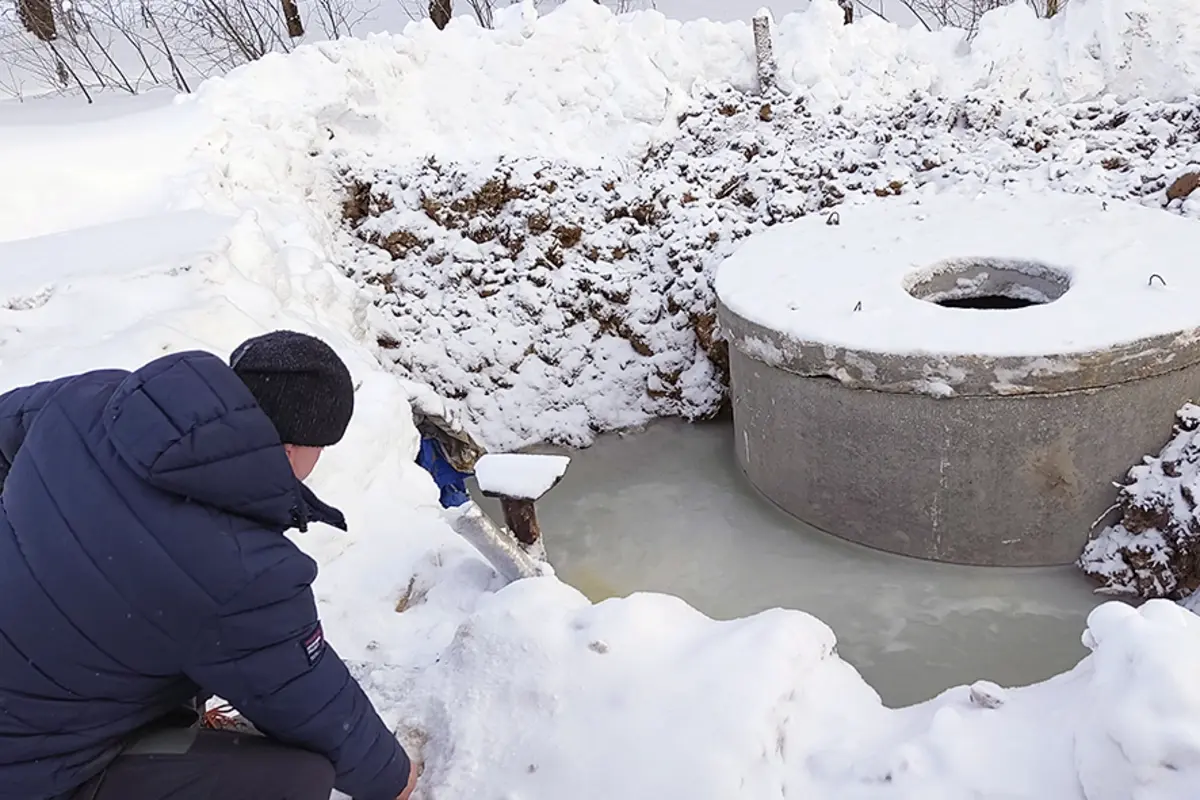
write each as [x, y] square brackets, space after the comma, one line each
[412, 784]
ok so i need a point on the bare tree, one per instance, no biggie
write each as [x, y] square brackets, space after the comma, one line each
[440, 12]
[120, 20]
[291, 15]
[222, 34]
[38, 18]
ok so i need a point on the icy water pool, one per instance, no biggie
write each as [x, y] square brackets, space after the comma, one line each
[667, 509]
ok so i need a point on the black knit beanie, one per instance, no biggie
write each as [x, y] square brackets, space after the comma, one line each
[301, 384]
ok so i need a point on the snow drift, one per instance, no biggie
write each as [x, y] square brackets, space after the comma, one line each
[530, 691]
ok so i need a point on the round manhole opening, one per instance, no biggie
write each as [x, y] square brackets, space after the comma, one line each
[989, 284]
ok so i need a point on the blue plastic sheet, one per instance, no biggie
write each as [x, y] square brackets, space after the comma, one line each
[451, 482]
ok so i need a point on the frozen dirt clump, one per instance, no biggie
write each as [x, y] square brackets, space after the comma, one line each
[1154, 551]
[550, 301]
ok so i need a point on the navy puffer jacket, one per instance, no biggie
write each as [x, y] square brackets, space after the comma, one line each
[142, 561]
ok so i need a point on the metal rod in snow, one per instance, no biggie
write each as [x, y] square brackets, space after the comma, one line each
[499, 548]
[518, 481]
[764, 50]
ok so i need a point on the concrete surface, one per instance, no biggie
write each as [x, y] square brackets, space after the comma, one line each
[999, 480]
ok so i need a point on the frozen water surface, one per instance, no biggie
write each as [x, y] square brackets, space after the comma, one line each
[667, 509]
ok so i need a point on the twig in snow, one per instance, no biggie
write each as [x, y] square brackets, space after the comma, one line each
[730, 187]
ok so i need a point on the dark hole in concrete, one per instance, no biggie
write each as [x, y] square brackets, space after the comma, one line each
[993, 302]
[990, 284]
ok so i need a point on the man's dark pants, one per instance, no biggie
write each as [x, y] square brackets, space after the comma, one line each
[204, 764]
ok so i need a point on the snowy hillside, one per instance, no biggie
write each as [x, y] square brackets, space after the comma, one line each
[201, 222]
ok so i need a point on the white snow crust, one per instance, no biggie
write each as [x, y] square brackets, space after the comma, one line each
[518, 475]
[230, 224]
[807, 278]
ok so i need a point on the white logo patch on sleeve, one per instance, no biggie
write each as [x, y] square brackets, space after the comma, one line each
[314, 645]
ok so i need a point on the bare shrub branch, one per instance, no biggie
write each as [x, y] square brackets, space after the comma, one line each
[484, 10]
[965, 14]
[338, 18]
[133, 45]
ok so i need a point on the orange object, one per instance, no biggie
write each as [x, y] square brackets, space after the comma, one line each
[220, 718]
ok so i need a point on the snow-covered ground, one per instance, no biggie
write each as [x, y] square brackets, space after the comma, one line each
[199, 223]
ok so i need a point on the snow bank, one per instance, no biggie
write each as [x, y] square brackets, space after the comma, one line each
[576, 84]
[582, 83]
[530, 691]
[540, 694]
[115, 168]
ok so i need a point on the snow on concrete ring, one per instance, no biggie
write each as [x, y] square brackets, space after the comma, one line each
[954, 295]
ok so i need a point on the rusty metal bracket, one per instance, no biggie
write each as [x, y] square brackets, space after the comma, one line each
[520, 517]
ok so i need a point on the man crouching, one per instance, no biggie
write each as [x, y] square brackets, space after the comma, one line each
[143, 563]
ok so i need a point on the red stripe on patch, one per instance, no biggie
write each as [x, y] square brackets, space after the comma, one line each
[314, 644]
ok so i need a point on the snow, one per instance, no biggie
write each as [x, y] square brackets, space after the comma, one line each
[204, 222]
[805, 279]
[119, 167]
[520, 476]
[764, 707]
[1153, 550]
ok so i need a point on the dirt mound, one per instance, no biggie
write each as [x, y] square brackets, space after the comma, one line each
[1154, 551]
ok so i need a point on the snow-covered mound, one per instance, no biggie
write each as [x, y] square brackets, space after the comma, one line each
[530, 691]
[581, 299]
[542, 695]
[1154, 550]
[538, 210]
